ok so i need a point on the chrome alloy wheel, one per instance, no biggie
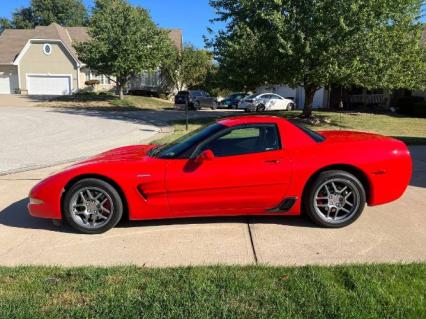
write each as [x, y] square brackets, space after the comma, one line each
[91, 207]
[337, 200]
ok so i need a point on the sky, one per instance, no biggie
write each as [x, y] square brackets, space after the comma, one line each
[192, 16]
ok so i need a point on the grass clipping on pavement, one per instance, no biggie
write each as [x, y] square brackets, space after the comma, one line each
[363, 291]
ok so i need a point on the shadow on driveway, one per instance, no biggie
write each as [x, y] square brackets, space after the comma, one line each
[159, 118]
[17, 216]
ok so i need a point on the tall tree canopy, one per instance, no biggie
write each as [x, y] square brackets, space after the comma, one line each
[68, 13]
[314, 43]
[187, 68]
[124, 41]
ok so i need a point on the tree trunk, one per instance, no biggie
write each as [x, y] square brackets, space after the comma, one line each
[310, 91]
[121, 91]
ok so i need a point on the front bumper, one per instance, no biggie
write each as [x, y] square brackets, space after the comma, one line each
[45, 199]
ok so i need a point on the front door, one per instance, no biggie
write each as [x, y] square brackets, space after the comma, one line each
[250, 173]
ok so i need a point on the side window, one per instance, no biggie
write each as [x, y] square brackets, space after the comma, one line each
[245, 140]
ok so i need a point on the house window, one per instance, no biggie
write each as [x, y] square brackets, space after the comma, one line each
[47, 49]
[92, 75]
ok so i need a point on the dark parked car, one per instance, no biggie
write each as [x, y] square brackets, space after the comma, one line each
[196, 99]
[231, 102]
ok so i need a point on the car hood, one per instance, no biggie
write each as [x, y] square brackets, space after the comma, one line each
[350, 136]
[127, 153]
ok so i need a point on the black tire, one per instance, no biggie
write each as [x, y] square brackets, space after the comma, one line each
[260, 108]
[214, 106]
[291, 107]
[116, 210]
[318, 214]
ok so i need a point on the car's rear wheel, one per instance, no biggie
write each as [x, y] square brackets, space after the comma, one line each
[214, 106]
[335, 199]
[92, 206]
[291, 107]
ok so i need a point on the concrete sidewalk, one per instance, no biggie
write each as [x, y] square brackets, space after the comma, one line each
[390, 233]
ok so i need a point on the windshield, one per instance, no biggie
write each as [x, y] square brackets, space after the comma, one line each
[180, 147]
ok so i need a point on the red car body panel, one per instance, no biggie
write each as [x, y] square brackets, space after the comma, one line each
[155, 188]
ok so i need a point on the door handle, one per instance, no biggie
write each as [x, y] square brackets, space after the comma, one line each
[273, 161]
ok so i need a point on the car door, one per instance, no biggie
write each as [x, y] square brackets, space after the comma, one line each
[269, 102]
[250, 173]
[208, 100]
[274, 103]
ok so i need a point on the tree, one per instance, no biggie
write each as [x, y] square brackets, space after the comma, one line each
[22, 18]
[188, 67]
[124, 41]
[314, 43]
[4, 24]
[68, 13]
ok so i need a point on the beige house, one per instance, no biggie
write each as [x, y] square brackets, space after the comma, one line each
[42, 61]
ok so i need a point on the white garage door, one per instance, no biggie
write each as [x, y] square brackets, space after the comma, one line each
[5, 81]
[48, 84]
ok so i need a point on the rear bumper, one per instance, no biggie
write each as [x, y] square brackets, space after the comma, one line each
[391, 182]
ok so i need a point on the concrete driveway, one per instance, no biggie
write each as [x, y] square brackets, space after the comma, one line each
[390, 233]
[33, 137]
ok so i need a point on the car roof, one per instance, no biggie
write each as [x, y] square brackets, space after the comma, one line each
[250, 119]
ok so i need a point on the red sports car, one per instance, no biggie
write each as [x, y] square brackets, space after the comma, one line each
[250, 165]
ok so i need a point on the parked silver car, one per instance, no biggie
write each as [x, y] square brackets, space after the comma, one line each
[266, 102]
[196, 99]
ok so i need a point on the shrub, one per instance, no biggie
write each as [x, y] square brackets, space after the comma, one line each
[92, 82]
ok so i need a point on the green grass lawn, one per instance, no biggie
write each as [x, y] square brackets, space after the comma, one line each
[410, 130]
[106, 101]
[143, 102]
[364, 291]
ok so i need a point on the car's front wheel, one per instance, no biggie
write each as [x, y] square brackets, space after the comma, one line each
[261, 108]
[335, 199]
[92, 206]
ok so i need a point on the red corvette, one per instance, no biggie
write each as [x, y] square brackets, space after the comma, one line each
[251, 165]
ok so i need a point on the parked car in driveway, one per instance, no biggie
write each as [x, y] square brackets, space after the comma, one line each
[266, 102]
[246, 165]
[231, 102]
[196, 100]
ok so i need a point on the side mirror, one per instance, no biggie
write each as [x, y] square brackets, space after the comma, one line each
[206, 155]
